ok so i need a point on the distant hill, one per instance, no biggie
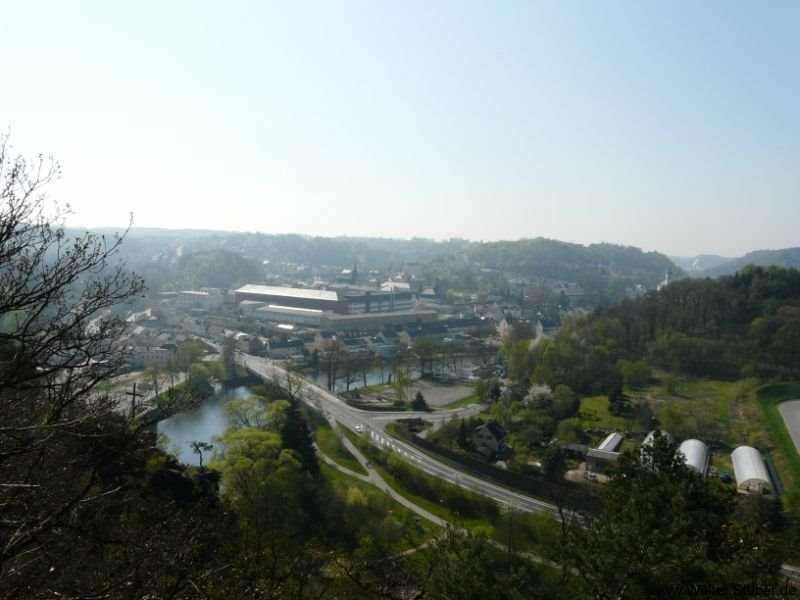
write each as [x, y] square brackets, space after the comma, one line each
[604, 270]
[150, 244]
[700, 263]
[787, 257]
[145, 232]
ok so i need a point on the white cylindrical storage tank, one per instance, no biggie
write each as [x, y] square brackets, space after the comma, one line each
[696, 454]
[750, 470]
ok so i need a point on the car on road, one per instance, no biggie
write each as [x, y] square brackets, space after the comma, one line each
[359, 427]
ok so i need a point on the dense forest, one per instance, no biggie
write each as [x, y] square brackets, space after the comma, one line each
[743, 325]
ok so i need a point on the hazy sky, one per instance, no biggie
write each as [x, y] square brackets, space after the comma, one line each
[673, 126]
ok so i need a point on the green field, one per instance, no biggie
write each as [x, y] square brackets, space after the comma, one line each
[700, 408]
[594, 413]
[330, 445]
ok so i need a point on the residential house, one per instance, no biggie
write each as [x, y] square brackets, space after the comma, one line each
[489, 440]
[284, 350]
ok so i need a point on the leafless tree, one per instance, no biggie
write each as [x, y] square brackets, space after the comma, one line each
[349, 369]
[291, 383]
[368, 361]
[330, 357]
[57, 332]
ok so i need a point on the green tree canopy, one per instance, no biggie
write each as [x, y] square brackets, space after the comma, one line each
[664, 527]
[262, 482]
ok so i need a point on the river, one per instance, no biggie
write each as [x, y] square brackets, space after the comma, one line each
[201, 424]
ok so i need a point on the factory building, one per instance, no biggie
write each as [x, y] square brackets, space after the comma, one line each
[347, 301]
[292, 297]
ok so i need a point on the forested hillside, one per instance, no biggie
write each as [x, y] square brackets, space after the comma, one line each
[604, 270]
[742, 325]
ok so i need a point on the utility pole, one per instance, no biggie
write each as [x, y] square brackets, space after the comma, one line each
[133, 396]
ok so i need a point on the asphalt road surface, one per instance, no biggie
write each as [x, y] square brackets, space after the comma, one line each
[374, 423]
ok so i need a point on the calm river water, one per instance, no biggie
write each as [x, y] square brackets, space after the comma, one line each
[201, 424]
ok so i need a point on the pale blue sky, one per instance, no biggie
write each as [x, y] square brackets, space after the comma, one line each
[673, 126]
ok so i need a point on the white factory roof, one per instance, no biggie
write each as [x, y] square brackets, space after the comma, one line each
[288, 292]
[696, 454]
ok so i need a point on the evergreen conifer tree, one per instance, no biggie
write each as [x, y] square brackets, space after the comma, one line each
[296, 436]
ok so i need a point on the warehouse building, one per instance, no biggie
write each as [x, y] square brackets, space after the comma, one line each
[286, 314]
[375, 321]
[377, 301]
[339, 301]
[292, 297]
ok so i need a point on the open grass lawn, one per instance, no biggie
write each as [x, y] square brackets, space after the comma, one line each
[423, 529]
[330, 444]
[594, 413]
[784, 453]
[698, 408]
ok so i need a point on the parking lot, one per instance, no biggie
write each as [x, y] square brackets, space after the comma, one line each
[437, 395]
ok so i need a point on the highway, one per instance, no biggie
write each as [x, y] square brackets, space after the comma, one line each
[375, 423]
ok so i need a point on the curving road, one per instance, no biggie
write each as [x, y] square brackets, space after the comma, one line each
[375, 423]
